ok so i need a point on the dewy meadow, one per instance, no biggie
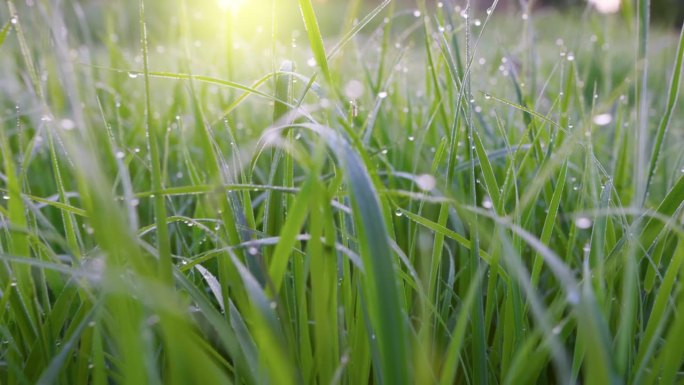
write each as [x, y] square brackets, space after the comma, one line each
[340, 192]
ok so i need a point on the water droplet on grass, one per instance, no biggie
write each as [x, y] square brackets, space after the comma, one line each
[382, 95]
[67, 124]
[487, 203]
[120, 155]
[603, 119]
[353, 89]
[416, 13]
[133, 75]
[426, 182]
[583, 223]
[398, 213]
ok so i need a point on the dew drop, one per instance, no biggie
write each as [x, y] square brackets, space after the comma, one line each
[426, 182]
[353, 89]
[67, 124]
[382, 95]
[416, 13]
[583, 223]
[602, 119]
[252, 250]
[120, 155]
[133, 75]
[398, 213]
[487, 203]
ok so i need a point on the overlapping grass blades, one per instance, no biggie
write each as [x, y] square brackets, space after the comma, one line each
[432, 201]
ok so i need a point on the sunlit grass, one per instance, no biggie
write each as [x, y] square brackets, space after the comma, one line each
[290, 192]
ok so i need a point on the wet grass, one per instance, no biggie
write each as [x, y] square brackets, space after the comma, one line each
[306, 193]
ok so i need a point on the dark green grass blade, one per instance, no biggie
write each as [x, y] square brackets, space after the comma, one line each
[673, 96]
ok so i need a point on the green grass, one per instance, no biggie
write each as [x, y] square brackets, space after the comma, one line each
[300, 192]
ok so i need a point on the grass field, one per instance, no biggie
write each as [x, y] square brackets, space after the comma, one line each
[298, 193]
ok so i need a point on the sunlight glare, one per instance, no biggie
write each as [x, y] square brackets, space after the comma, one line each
[606, 6]
[230, 5]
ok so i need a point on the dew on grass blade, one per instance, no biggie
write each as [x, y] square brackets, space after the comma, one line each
[487, 203]
[67, 124]
[602, 119]
[353, 89]
[426, 182]
[583, 223]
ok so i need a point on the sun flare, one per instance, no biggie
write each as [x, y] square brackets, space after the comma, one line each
[230, 5]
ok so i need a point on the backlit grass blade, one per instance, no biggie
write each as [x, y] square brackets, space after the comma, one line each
[163, 242]
[315, 38]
